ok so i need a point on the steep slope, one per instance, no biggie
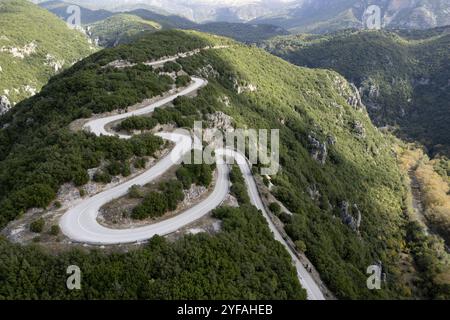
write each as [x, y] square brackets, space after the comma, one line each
[321, 16]
[403, 77]
[119, 28]
[338, 174]
[31, 53]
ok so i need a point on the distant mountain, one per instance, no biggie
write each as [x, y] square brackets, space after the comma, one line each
[167, 21]
[34, 45]
[87, 15]
[297, 16]
[197, 10]
[112, 28]
[403, 76]
[321, 16]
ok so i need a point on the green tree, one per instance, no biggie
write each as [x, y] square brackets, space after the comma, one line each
[37, 226]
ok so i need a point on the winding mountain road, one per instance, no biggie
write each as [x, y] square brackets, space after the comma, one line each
[80, 222]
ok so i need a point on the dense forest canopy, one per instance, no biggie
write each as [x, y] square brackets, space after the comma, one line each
[324, 187]
[403, 75]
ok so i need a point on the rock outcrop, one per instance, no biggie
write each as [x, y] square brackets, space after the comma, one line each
[225, 100]
[348, 217]
[5, 105]
[220, 121]
[331, 140]
[20, 52]
[208, 71]
[358, 129]
[318, 150]
[243, 86]
[53, 63]
[350, 93]
[354, 99]
[314, 192]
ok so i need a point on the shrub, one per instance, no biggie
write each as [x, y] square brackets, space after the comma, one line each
[200, 174]
[173, 192]
[184, 176]
[154, 205]
[37, 226]
[275, 208]
[135, 192]
[182, 81]
[140, 163]
[300, 245]
[54, 230]
[238, 188]
[102, 177]
[138, 123]
[171, 66]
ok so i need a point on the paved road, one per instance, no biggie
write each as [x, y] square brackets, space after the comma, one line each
[98, 126]
[80, 222]
[313, 290]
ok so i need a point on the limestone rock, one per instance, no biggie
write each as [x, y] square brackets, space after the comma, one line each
[355, 99]
[243, 86]
[318, 150]
[208, 71]
[358, 129]
[331, 140]
[348, 218]
[5, 105]
[53, 63]
[20, 52]
[220, 120]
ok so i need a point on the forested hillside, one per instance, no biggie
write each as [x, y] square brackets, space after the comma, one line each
[119, 28]
[339, 174]
[403, 76]
[34, 46]
[241, 262]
